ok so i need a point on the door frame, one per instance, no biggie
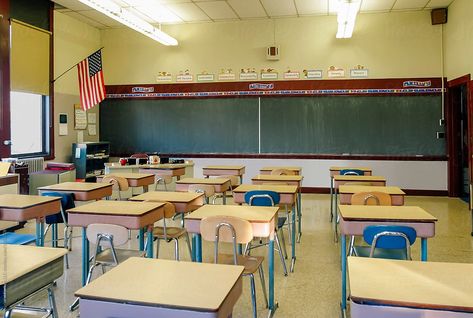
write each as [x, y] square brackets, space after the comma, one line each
[5, 150]
[454, 175]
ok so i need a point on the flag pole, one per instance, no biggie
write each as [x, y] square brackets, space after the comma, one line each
[70, 68]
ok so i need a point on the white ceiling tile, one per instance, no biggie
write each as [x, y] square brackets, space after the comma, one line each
[188, 12]
[73, 5]
[217, 10]
[248, 8]
[410, 4]
[100, 17]
[306, 7]
[377, 5]
[83, 18]
[438, 3]
[279, 8]
[157, 14]
[138, 11]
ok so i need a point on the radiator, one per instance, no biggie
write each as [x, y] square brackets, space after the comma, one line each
[34, 164]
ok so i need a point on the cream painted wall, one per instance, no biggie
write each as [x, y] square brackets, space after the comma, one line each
[389, 45]
[458, 41]
[73, 41]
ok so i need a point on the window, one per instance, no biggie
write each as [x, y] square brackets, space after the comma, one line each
[29, 117]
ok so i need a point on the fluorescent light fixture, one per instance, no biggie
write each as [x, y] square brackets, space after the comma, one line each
[122, 15]
[346, 17]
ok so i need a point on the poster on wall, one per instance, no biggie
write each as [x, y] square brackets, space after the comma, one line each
[80, 117]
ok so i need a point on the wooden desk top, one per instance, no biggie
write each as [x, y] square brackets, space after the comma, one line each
[427, 285]
[224, 167]
[357, 188]
[166, 283]
[358, 178]
[136, 176]
[170, 196]
[211, 181]
[385, 213]
[254, 214]
[23, 201]
[75, 186]
[166, 166]
[270, 187]
[22, 259]
[106, 207]
[350, 168]
[270, 177]
[281, 167]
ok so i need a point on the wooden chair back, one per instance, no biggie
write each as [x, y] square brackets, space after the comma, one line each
[119, 183]
[371, 198]
[219, 228]
[118, 233]
[207, 189]
[283, 172]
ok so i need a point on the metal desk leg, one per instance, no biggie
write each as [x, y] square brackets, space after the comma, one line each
[331, 199]
[85, 256]
[293, 238]
[141, 239]
[299, 214]
[423, 256]
[145, 188]
[272, 304]
[335, 221]
[224, 197]
[194, 247]
[149, 247]
[54, 236]
[198, 248]
[343, 249]
[38, 233]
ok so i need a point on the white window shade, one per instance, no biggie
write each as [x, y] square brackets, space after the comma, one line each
[30, 58]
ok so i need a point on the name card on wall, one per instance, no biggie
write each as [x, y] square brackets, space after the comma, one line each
[312, 74]
[205, 77]
[184, 78]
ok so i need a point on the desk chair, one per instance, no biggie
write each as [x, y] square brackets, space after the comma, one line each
[119, 184]
[169, 234]
[106, 237]
[164, 180]
[67, 202]
[368, 198]
[234, 182]
[270, 198]
[387, 241]
[283, 172]
[236, 231]
[207, 189]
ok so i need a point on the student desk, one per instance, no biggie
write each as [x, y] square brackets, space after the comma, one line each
[134, 179]
[141, 287]
[183, 201]
[20, 208]
[221, 185]
[268, 170]
[263, 220]
[287, 193]
[346, 192]
[224, 171]
[339, 180]
[165, 169]
[289, 180]
[27, 269]
[132, 215]
[393, 288]
[334, 171]
[83, 191]
[354, 219]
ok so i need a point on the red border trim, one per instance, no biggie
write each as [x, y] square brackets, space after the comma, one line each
[359, 87]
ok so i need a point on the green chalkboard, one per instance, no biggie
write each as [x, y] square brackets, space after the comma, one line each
[378, 125]
[180, 126]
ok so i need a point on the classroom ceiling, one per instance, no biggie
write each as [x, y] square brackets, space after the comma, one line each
[193, 11]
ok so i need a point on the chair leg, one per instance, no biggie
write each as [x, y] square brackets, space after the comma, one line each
[89, 275]
[276, 237]
[189, 245]
[66, 244]
[52, 303]
[351, 248]
[283, 241]
[165, 186]
[253, 295]
[263, 284]
[176, 249]
[157, 247]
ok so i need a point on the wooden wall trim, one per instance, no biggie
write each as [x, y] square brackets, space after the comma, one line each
[297, 156]
[459, 80]
[357, 87]
[4, 76]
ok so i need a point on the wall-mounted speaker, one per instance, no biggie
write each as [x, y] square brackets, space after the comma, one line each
[272, 53]
[439, 16]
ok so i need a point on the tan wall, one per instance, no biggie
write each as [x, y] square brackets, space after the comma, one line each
[458, 41]
[73, 41]
[389, 45]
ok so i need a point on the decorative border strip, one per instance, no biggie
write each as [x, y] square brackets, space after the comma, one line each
[280, 92]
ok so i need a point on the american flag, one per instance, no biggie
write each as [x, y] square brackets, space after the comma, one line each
[91, 84]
